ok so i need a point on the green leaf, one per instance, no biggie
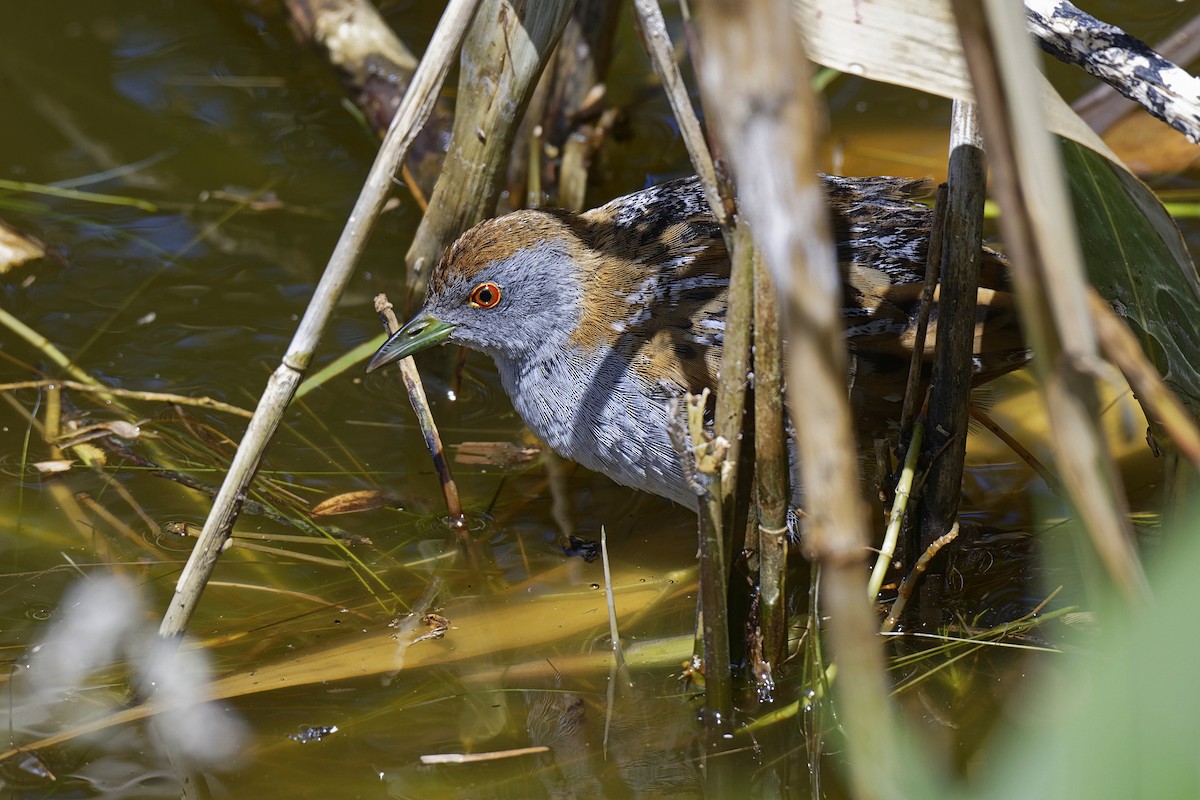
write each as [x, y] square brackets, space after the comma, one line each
[1137, 260]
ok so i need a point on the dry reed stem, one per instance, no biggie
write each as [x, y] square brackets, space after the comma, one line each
[429, 431]
[573, 171]
[709, 458]
[653, 29]
[754, 77]
[735, 355]
[1104, 106]
[476, 758]
[1048, 275]
[580, 65]
[505, 51]
[1165, 90]
[569, 95]
[281, 386]
[770, 467]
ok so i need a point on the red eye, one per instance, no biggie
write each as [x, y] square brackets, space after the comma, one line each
[485, 295]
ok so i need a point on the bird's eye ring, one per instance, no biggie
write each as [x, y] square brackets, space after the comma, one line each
[485, 295]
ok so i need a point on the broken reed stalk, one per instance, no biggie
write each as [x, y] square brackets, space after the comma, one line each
[653, 29]
[910, 580]
[420, 404]
[573, 172]
[281, 386]
[709, 458]
[1104, 106]
[1164, 89]
[754, 77]
[1047, 269]
[735, 355]
[770, 467]
[502, 57]
[945, 448]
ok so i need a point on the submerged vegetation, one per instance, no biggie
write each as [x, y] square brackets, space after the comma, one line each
[168, 200]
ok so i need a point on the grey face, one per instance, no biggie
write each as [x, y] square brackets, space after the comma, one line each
[509, 309]
[512, 306]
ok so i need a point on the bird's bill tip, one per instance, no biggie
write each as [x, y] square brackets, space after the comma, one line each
[419, 333]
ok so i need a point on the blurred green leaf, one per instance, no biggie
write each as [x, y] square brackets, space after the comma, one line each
[1119, 719]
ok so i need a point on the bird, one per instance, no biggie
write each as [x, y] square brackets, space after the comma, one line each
[597, 321]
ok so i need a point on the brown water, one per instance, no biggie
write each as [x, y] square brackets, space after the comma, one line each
[200, 297]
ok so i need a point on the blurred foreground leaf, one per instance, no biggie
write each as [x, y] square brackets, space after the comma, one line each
[1121, 718]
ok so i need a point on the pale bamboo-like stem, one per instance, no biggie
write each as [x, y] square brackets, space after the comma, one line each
[899, 505]
[662, 58]
[1048, 275]
[754, 76]
[504, 53]
[413, 111]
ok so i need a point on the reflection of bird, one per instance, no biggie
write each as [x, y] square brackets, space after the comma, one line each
[597, 320]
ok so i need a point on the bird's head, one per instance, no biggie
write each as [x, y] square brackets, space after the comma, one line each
[507, 287]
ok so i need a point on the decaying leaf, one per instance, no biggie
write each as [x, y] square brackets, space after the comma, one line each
[16, 249]
[53, 467]
[495, 454]
[352, 502]
[115, 427]
[437, 625]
